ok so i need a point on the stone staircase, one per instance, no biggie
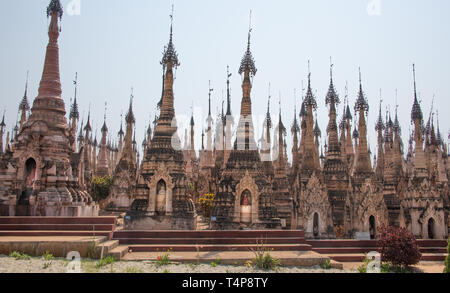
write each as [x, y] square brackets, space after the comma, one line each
[201, 241]
[355, 250]
[58, 226]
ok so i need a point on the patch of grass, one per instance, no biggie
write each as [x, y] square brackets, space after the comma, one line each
[213, 264]
[47, 256]
[19, 256]
[389, 268]
[91, 251]
[326, 265]
[166, 271]
[133, 270]
[109, 260]
[263, 260]
[163, 260]
[47, 265]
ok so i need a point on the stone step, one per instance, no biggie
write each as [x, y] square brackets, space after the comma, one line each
[104, 249]
[58, 220]
[209, 234]
[107, 234]
[359, 257]
[346, 250]
[342, 243]
[433, 256]
[216, 247]
[433, 250]
[119, 252]
[343, 250]
[431, 243]
[57, 227]
[186, 241]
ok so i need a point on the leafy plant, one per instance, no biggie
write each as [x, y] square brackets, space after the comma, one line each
[163, 260]
[326, 265]
[105, 261]
[207, 204]
[447, 259]
[213, 264]
[263, 260]
[47, 256]
[100, 187]
[47, 264]
[398, 246]
[19, 256]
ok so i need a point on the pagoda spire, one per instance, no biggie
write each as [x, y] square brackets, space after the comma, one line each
[2, 132]
[309, 160]
[332, 99]
[363, 163]
[417, 119]
[379, 127]
[48, 105]
[295, 129]
[244, 135]
[24, 107]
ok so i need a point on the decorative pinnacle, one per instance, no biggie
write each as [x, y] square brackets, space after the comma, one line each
[416, 112]
[361, 102]
[74, 113]
[55, 6]
[210, 90]
[129, 118]
[332, 96]
[380, 123]
[24, 106]
[247, 62]
[228, 92]
[310, 100]
[170, 54]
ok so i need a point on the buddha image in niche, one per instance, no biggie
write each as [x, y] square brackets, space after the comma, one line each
[245, 198]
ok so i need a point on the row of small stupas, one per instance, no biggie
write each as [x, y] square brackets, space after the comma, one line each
[44, 171]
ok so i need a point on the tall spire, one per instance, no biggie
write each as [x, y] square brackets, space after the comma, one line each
[210, 90]
[74, 113]
[228, 92]
[48, 105]
[416, 112]
[247, 62]
[363, 163]
[332, 99]
[24, 107]
[2, 132]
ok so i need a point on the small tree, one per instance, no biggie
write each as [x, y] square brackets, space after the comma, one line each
[207, 204]
[100, 187]
[447, 259]
[398, 246]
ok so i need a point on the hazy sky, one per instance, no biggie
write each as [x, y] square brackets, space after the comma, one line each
[116, 44]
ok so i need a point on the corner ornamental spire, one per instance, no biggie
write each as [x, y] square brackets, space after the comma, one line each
[416, 112]
[55, 6]
[361, 102]
[247, 62]
[170, 55]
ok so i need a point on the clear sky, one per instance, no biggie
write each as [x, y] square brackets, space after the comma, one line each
[116, 44]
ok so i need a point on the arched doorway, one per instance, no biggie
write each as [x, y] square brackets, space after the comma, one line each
[246, 207]
[431, 227]
[161, 191]
[316, 225]
[372, 227]
[30, 176]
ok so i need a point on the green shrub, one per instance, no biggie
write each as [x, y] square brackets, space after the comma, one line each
[326, 265]
[163, 260]
[100, 187]
[447, 259]
[265, 261]
[19, 256]
[47, 256]
[105, 261]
